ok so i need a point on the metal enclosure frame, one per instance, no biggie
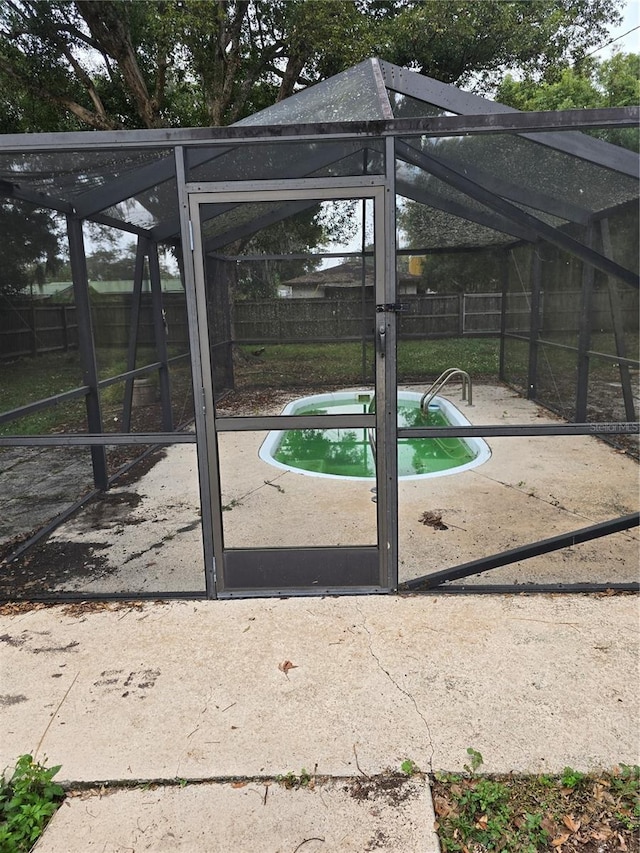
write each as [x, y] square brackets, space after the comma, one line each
[502, 210]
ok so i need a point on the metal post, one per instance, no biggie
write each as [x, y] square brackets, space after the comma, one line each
[618, 327]
[503, 313]
[204, 468]
[87, 348]
[160, 334]
[584, 334]
[534, 324]
[363, 289]
[134, 325]
[386, 380]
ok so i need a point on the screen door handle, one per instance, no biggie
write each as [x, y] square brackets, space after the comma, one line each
[382, 334]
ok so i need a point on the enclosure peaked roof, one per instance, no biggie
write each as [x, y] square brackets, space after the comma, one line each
[357, 94]
[511, 183]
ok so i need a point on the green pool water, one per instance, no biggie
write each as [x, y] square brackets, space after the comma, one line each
[348, 452]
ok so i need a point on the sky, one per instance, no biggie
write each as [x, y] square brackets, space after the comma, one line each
[630, 41]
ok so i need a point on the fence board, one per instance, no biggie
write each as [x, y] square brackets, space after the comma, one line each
[27, 328]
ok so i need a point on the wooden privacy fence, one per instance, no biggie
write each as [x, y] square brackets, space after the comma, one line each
[36, 328]
[31, 328]
[433, 315]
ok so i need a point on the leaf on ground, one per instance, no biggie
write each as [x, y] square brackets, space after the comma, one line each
[285, 666]
[441, 806]
[559, 840]
[570, 823]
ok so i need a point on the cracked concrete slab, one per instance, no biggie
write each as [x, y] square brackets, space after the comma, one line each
[196, 690]
[347, 688]
[332, 816]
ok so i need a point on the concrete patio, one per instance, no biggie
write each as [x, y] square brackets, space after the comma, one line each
[176, 718]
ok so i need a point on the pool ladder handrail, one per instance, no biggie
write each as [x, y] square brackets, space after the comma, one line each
[441, 381]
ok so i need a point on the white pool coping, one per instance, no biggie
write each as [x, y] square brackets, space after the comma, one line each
[453, 415]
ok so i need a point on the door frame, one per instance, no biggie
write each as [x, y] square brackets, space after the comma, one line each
[330, 563]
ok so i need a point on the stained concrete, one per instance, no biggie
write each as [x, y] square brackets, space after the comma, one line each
[203, 691]
[331, 816]
[531, 488]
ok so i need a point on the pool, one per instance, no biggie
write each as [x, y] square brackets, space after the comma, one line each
[347, 453]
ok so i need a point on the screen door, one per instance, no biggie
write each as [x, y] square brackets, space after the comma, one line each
[291, 295]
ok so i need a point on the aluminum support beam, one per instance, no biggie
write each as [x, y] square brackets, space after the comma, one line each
[562, 208]
[546, 232]
[201, 375]
[87, 347]
[459, 125]
[524, 552]
[482, 217]
[618, 328]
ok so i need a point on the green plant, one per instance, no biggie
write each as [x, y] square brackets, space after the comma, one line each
[530, 814]
[409, 767]
[290, 780]
[476, 760]
[570, 778]
[28, 799]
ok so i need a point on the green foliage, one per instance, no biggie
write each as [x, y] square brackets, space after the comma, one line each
[124, 63]
[409, 767]
[326, 364]
[476, 760]
[28, 799]
[29, 247]
[613, 82]
[456, 40]
[527, 814]
[571, 778]
[290, 780]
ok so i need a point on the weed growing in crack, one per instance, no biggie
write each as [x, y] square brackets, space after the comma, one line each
[290, 780]
[28, 799]
[409, 767]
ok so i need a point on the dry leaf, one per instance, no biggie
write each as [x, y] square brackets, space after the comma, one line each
[559, 840]
[441, 806]
[570, 823]
[285, 666]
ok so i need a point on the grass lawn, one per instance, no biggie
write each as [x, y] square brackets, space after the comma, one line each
[317, 365]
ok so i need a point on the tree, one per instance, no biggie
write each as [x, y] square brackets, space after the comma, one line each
[334, 222]
[613, 82]
[29, 249]
[103, 64]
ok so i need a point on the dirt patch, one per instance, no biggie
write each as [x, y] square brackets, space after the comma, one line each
[394, 788]
[51, 564]
[109, 510]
